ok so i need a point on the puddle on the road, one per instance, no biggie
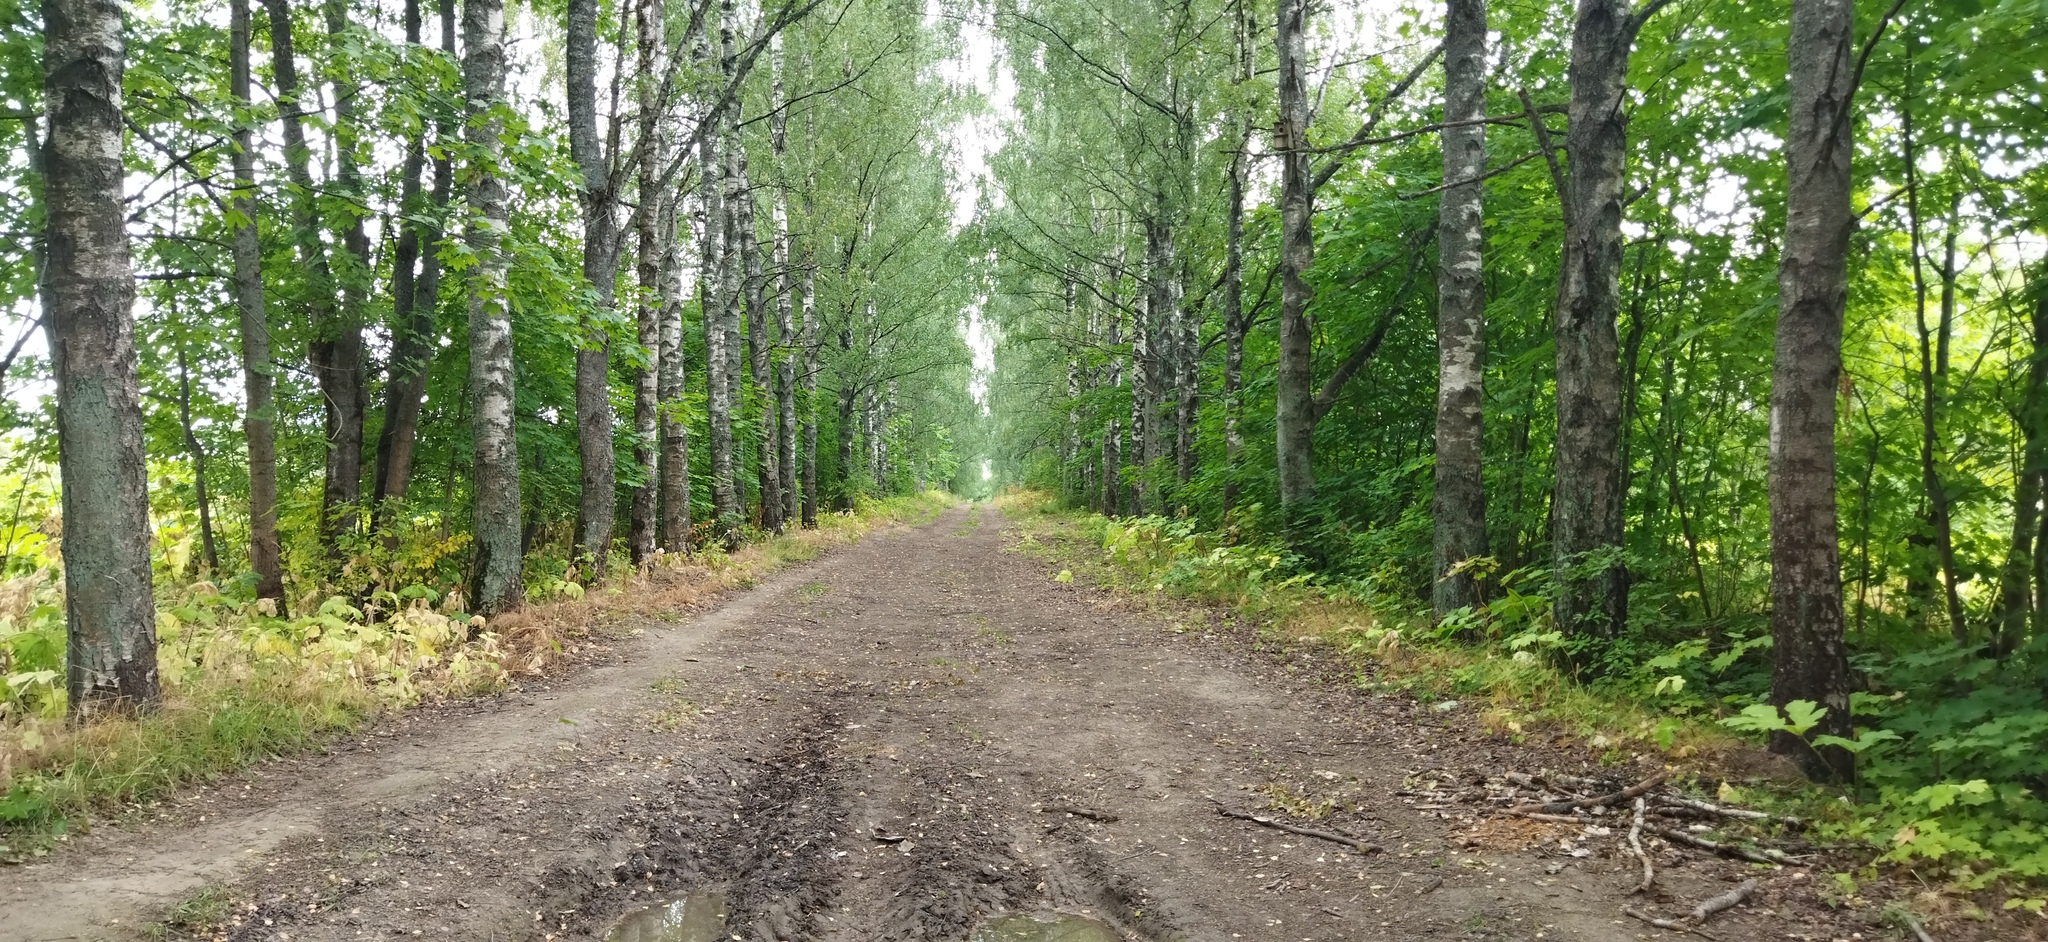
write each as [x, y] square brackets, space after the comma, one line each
[698, 917]
[1055, 927]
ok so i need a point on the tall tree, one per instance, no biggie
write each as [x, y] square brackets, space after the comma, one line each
[1586, 511]
[259, 415]
[654, 222]
[1459, 505]
[337, 352]
[1295, 424]
[785, 321]
[495, 584]
[328, 352]
[595, 507]
[415, 296]
[87, 291]
[1806, 577]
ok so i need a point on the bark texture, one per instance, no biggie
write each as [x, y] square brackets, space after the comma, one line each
[1294, 390]
[1459, 504]
[259, 416]
[595, 502]
[495, 584]
[87, 294]
[654, 226]
[1585, 526]
[1806, 581]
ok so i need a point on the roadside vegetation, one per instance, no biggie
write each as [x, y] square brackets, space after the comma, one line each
[242, 683]
[1958, 823]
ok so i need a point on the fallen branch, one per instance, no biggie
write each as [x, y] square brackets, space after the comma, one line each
[1914, 925]
[1080, 812]
[1331, 836]
[1745, 814]
[1722, 903]
[1764, 856]
[1671, 925]
[1635, 843]
[1626, 794]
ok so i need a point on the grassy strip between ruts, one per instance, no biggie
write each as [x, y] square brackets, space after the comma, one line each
[242, 686]
[1515, 690]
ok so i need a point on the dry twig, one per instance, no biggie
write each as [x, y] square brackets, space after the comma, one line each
[1635, 843]
[1566, 807]
[1763, 856]
[1332, 836]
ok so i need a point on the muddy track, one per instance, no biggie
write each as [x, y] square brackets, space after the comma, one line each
[899, 741]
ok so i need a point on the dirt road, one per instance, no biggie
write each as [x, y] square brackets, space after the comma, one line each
[902, 740]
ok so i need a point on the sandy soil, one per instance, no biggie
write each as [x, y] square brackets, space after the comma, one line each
[901, 740]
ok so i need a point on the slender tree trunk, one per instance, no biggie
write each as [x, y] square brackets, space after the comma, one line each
[760, 355]
[495, 481]
[328, 352]
[810, 325]
[1112, 432]
[1933, 370]
[596, 505]
[653, 216]
[1234, 322]
[1459, 505]
[87, 292]
[415, 300]
[2034, 466]
[785, 315]
[732, 272]
[198, 452]
[1806, 580]
[259, 418]
[846, 486]
[1586, 511]
[1294, 391]
[712, 286]
[674, 423]
[338, 350]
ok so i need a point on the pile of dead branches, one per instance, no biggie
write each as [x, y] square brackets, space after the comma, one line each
[1647, 811]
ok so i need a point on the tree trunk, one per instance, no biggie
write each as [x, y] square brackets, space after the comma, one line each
[1112, 432]
[846, 487]
[1459, 505]
[760, 354]
[675, 427]
[1294, 427]
[1806, 580]
[324, 353]
[2033, 419]
[337, 351]
[415, 299]
[712, 286]
[495, 481]
[1234, 322]
[810, 329]
[259, 417]
[785, 315]
[87, 293]
[652, 218]
[596, 504]
[198, 452]
[1586, 510]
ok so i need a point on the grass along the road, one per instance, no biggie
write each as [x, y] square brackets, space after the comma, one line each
[241, 686]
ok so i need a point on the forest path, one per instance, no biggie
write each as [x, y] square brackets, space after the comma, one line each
[889, 743]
